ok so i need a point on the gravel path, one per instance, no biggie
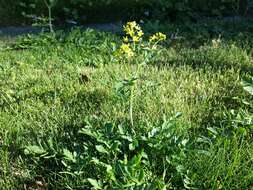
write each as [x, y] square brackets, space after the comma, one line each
[19, 30]
[114, 27]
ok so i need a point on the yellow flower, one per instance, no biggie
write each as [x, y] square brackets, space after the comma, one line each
[140, 33]
[125, 39]
[157, 37]
[126, 49]
[133, 30]
[137, 27]
[152, 38]
[132, 24]
[129, 30]
[136, 39]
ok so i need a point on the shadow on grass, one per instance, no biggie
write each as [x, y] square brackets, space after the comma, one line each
[65, 135]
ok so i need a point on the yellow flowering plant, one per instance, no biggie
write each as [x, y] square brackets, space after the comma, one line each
[157, 37]
[134, 46]
[126, 49]
[136, 50]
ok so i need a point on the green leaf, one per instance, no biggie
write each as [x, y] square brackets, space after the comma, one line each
[243, 131]
[141, 175]
[109, 128]
[136, 160]
[101, 149]
[212, 130]
[34, 150]
[121, 130]
[249, 89]
[178, 114]
[110, 172]
[68, 155]
[88, 132]
[133, 145]
[115, 146]
[94, 183]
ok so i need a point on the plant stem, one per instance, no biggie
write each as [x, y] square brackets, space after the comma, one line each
[50, 19]
[131, 105]
[49, 7]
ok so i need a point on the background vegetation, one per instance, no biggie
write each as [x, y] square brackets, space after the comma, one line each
[83, 11]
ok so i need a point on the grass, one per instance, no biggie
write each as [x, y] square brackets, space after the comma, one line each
[59, 99]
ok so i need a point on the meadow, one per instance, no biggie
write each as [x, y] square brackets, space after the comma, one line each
[77, 113]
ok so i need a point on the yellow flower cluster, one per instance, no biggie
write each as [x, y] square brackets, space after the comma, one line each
[126, 49]
[134, 34]
[134, 31]
[133, 39]
[157, 37]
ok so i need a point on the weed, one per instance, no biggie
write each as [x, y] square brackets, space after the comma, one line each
[64, 126]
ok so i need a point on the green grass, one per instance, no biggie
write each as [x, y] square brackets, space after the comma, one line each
[51, 89]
